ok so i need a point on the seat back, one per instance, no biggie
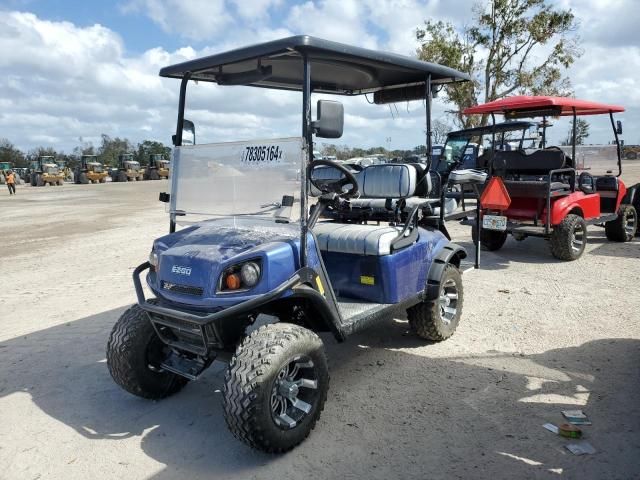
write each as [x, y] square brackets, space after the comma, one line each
[539, 162]
[388, 181]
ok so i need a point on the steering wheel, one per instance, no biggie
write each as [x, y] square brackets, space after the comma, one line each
[334, 185]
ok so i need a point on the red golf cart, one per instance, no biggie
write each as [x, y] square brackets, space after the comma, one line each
[553, 192]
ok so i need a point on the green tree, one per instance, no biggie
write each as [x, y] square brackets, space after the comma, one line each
[511, 46]
[9, 153]
[582, 132]
[148, 147]
[110, 148]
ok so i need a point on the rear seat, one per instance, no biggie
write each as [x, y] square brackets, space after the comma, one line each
[525, 175]
[376, 182]
[424, 183]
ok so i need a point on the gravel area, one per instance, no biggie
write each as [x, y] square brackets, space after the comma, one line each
[537, 336]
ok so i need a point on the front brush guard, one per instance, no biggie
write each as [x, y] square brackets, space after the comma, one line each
[204, 330]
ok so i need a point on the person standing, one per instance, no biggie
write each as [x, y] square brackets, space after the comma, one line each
[11, 182]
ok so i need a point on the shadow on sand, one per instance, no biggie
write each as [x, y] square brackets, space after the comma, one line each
[391, 412]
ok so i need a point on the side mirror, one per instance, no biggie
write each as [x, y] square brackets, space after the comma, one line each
[619, 127]
[330, 119]
[188, 132]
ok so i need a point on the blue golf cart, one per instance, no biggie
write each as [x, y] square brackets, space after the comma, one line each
[259, 264]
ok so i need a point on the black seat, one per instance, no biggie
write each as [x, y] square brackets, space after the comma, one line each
[525, 175]
[540, 162]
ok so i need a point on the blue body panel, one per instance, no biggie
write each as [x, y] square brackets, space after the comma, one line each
[206, 249]
[211, 246]
[388, 278]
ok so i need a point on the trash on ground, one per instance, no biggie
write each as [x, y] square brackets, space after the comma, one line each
[576, 417]
[570, 431]
[581, 448]
[551, 427]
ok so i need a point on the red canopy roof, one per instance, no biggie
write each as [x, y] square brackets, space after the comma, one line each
[561, 105]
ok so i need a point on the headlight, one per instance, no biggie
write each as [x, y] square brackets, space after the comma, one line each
[250, 274]
[154, 260]
[241, 276]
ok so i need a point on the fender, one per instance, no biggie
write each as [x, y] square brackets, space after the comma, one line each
[452, 253]
[622, 194]
[589, 205]
[632, 196]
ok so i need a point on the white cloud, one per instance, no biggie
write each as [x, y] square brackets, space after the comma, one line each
[194, 19]
[60, 81]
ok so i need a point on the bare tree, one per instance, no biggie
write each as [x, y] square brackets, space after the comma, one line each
[439, 131]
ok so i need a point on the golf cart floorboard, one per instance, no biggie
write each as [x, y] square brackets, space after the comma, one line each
[358, 315]
[351, 307]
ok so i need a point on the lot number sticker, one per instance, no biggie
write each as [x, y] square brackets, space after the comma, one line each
[261, 154]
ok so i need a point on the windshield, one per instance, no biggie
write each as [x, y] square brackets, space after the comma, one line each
[453, 151]
[260, 179]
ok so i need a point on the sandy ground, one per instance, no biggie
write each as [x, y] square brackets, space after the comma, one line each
[537, 336]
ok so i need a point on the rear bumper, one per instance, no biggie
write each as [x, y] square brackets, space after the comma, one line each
[197, 332]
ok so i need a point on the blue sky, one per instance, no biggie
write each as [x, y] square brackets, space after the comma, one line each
[73, 69]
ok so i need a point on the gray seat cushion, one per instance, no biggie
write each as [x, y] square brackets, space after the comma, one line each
[377, 205]
[355, 239]
[467, 175]
[388, 181]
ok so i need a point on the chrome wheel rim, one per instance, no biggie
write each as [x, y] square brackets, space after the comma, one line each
[294, 392]
[448, 300]
[577, 239]
[630, 224]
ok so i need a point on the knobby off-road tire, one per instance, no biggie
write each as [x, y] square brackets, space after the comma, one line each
[569, 238]
[82, 178]
[153, 175]
[437, 319]
[259, 370]
[133, 357]
[625, 227]
[490, 240]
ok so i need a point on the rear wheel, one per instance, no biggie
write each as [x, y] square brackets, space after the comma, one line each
[153, 175]
[491, 240]
[623, 228]
[275, 387]
[40, 181]
[134, 355]
[82, 178]
[437, 319]
[569, 238]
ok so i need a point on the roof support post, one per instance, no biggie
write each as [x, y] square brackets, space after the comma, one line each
[177, 138]
[618, 149]
[575, 131]
[428, 96]
[307, 133]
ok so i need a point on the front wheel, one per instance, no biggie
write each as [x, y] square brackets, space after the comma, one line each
[275, 387]
[437, 319]
[569, 238]
[134, 355]
[623, 228]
